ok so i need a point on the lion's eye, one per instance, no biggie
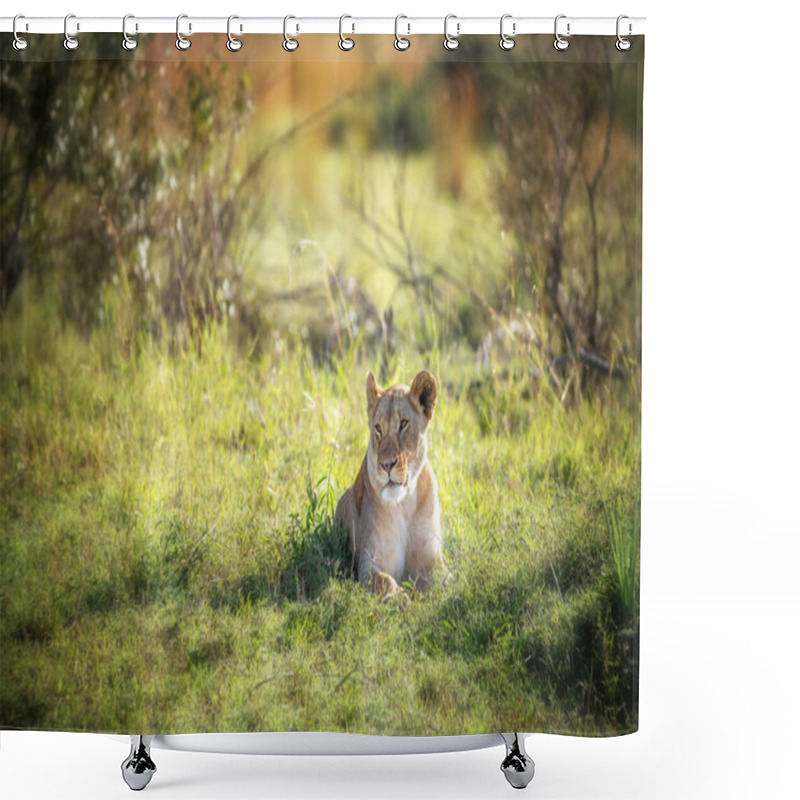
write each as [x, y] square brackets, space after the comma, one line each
[403, 424]
[378, 430]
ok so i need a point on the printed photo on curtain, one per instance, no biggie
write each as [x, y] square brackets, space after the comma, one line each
[320, 385]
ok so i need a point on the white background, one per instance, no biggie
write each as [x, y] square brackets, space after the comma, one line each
[720, 602]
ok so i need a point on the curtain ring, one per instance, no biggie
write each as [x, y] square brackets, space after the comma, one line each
[128, 42]
[561, 43]
[400, 42]
[507, 42]
[622, 43]
[19, 43]
[451, 42]
[233, 44]
[290, 43]
[182, 43]
[70, 42]
[345, 42]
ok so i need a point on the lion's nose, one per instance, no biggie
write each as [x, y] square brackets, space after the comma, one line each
[387, 466]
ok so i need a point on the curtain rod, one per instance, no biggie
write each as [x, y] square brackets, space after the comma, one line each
[406, 26]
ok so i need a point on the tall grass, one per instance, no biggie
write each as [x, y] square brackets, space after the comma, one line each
[169, 559]
[624, 537]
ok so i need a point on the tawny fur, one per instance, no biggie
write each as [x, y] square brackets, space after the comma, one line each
[391, 512]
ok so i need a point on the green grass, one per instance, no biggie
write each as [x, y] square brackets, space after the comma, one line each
[169, 559]
[624, 537]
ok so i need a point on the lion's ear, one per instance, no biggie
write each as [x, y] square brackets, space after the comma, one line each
[424, 391]
[373, 394]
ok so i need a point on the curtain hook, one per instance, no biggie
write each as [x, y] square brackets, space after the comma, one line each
[182, 43]
[233, 44]
[290, 43]
[622, 43]
[451, 42]
[70, 42]
[561, 43]
[128, 42]
[19, 43]
[400, 42]
[345, 42]
[507, 42]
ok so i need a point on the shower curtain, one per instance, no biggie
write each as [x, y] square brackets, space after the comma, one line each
[320, 385]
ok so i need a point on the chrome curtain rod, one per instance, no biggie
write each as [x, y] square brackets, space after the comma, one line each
[406, 26]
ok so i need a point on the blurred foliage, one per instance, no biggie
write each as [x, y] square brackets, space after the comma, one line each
[169, 196]
[401, 121]
[568, 191]
[111, 181]
[51, 148]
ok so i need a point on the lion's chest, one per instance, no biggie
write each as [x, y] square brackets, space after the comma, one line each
[397, 521]
[390, 537]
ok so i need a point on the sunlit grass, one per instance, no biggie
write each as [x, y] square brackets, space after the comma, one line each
[169, 558]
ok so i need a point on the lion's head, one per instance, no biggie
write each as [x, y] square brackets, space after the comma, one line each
[398, 418]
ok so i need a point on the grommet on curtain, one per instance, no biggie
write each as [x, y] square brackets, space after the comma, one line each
[561, 43]
[623, 44]
[400, 42]
[182, 43]
[128, 42]
[19, 42]
[70, 42]
[233, 44]
[507, 42]
[345, 42]
[290, 43]
[450, 42]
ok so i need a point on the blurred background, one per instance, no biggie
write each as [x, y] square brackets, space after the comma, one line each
[398, 202]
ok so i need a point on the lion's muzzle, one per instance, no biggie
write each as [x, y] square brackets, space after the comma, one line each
[393, 469]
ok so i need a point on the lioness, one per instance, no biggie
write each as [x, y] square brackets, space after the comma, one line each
[392, 510]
